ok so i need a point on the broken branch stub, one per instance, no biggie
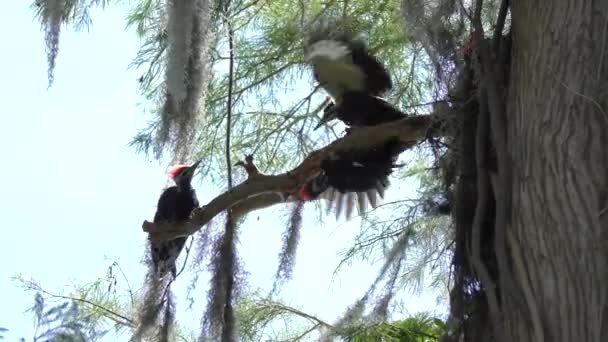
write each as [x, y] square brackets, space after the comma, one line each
[260, 190]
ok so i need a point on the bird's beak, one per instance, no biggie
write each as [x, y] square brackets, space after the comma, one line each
[193, 167]
[323, 121]
[327, 117]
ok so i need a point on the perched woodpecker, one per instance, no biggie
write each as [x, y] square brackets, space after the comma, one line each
[175, 205]
[358, 176]
[353, 77]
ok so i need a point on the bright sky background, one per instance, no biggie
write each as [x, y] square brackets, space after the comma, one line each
[74, 192]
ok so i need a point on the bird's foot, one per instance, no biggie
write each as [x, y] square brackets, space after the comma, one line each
[197, 211]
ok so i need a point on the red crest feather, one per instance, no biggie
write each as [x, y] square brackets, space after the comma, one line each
[176, 169]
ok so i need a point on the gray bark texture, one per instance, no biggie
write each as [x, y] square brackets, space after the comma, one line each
[557, 134]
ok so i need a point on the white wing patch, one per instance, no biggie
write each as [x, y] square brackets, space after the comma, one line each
[327, 48]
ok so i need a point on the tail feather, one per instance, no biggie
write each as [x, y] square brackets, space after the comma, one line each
[164, 256]
[361, 202]
[372, 197]
[349, 202]
[340, 202]
[380, 187]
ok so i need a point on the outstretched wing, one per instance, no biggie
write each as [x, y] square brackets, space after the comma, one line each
[355, 178]
[341, 63]
[333, 68]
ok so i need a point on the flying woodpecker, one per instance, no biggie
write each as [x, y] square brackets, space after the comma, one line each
[175, 205]
[359, 176]
[353, 77]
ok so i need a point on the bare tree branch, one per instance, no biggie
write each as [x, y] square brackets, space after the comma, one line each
[408, 130]
[230, 86]
[285, 308]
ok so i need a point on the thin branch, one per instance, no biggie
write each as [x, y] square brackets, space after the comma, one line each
[225, 264]
[126, 320]
[129, 289]
[500, 24]
[296, 312]
[255, 83]
[289, 114]
[188, 249]
[230, 87]
[302, 335]
[408, 131]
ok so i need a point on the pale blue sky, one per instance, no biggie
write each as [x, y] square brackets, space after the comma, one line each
[75, 192]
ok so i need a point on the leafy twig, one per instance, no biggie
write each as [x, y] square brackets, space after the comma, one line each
[112, 314]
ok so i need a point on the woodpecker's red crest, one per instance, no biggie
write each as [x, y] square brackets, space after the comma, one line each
[176, 169]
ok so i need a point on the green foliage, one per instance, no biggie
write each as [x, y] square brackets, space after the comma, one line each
[276, 102]
[262, 319]
[107, 304]
[88, 313]
[276, 106]
[63, 322]
[420, 328]
[428, 236]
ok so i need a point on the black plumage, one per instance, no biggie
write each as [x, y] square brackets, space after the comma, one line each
[355, 79]
[354, 178]
[360, 109]
[175, 205]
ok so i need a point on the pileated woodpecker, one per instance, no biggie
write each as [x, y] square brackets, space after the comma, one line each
[358, 175]
[175, 205]
[353, 77]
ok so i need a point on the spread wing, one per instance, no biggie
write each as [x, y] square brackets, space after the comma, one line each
[341, 63]
[357, 178]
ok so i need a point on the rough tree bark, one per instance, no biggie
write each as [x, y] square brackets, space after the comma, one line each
[557, 136]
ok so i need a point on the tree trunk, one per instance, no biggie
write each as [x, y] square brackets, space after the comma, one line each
[558, 149]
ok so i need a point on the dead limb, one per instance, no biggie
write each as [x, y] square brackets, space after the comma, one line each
[260, 190]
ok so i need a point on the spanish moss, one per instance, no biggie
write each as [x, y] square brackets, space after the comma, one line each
[219, 319]
[291, 237]
[187, 73]
[55, 11]
[157, 297]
